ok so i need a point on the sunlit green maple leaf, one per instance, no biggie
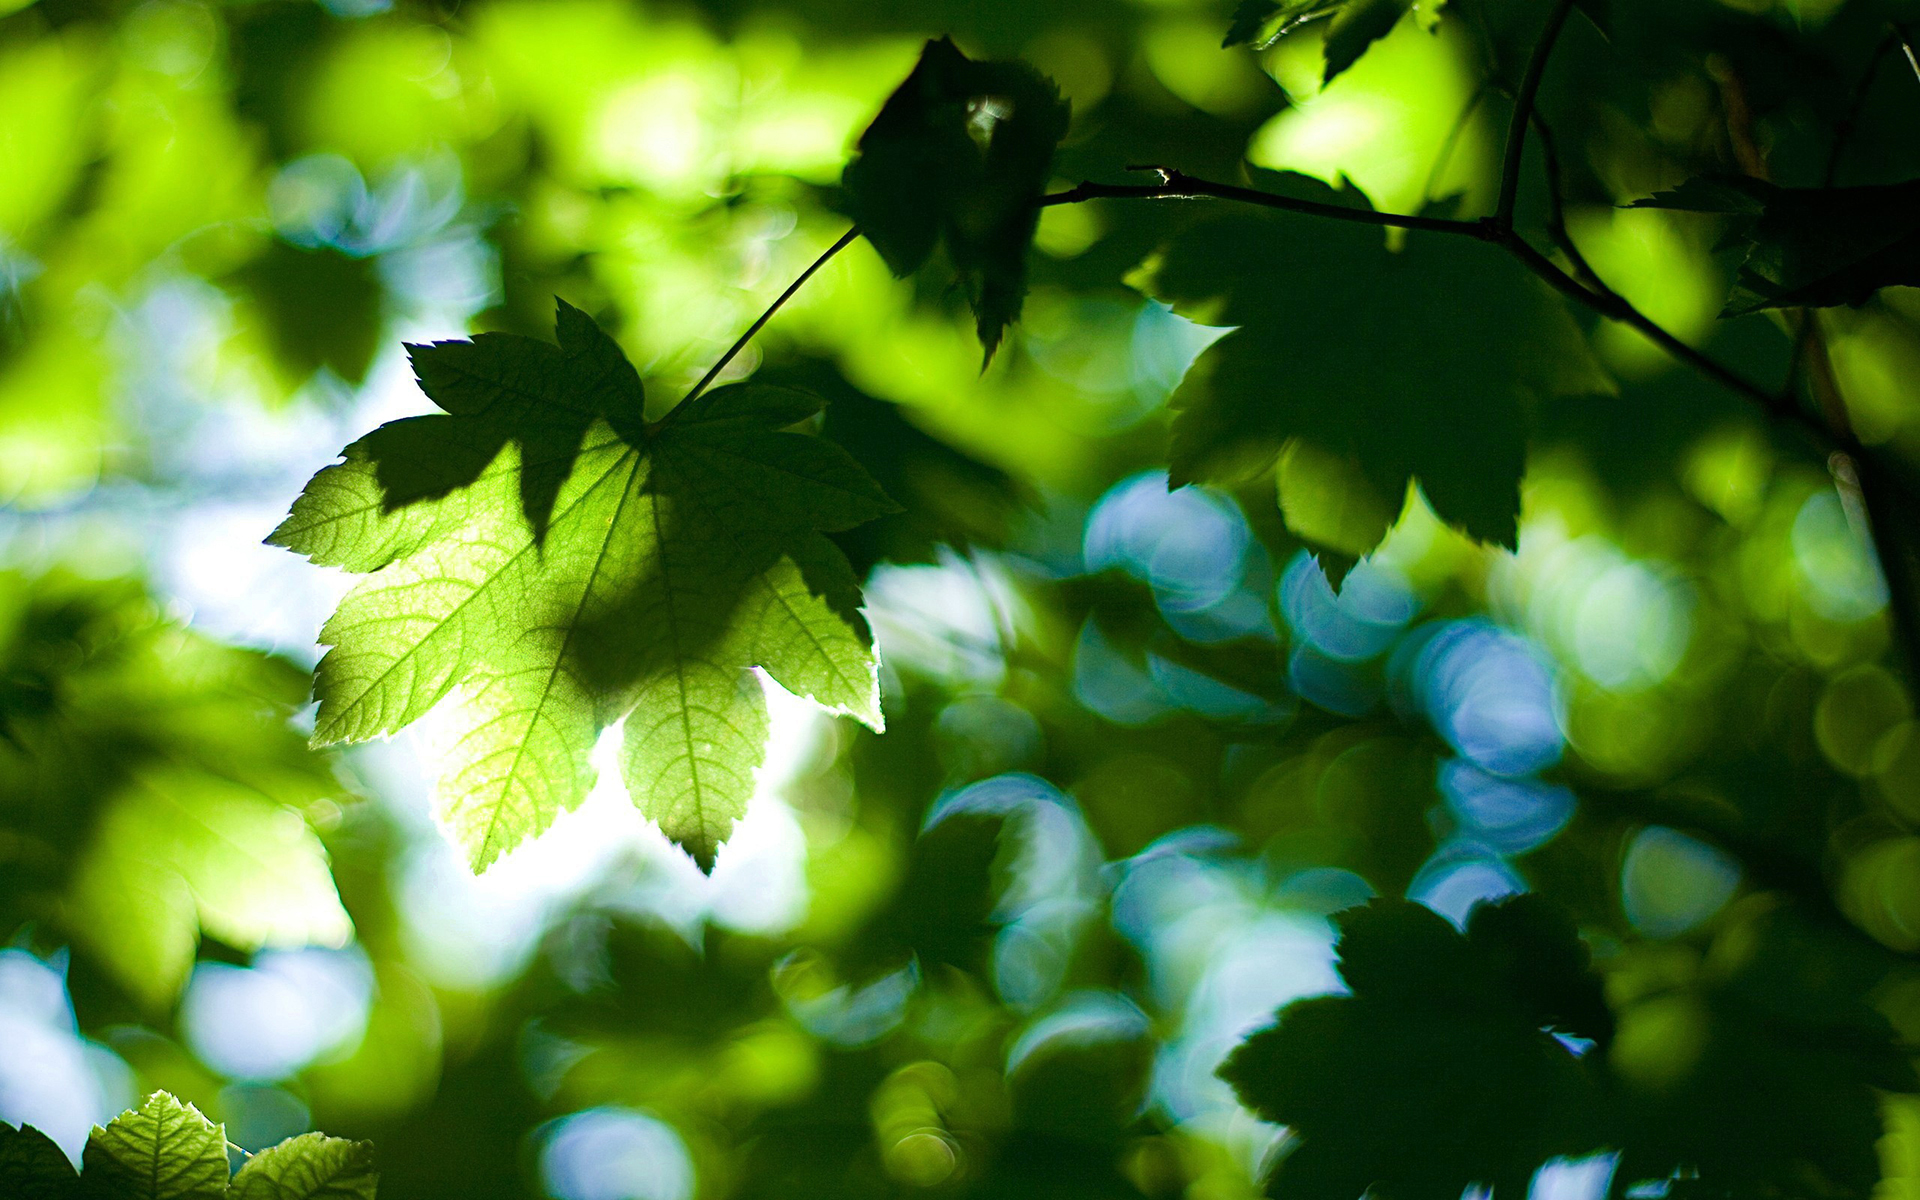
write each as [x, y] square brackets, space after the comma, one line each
[163, 1150]
[958, 155]
[312, 1166]
[1387, 367]
[555, 563]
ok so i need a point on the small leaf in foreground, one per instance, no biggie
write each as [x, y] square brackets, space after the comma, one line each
[163, 1150]
[312, 1166]
[32, 1167]
[554, 564]
[959, 154]
[1436, 1074]
[1813, 247]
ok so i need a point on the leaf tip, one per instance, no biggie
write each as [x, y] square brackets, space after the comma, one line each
[703, 851]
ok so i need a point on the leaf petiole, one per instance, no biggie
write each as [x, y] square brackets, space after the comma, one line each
[740, 343]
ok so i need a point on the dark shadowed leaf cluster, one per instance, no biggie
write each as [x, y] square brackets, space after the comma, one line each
[957, 156]
[1359, 369]
[947, 496]
[1810, 247]
[1765, 1072]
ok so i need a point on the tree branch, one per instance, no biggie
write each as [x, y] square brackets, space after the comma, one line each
[1178, 185]
[1870, 492]
[1876, 482]
[1605, 301]
[1523, 111]
[1856, 104]
[1557, 207]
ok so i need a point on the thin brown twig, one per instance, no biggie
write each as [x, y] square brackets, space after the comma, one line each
[1523, 109]
[1557, 208]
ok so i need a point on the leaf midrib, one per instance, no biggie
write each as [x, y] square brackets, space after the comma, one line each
[573, 626]
[493, 577]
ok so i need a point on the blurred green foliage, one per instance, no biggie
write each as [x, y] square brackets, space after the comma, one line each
[152, 787]
[1605, 633]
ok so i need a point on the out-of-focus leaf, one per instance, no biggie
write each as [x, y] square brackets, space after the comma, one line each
[151, 787]
[182, 849]
[959, 154]
[322, 308]
[32, 1167]
[1436, 1074]
[1081, 1071]
[163, 1150]
[1765, 1073]
[312, 1166]
[609, 568]
[1401, 367]
[941, 914]
[1812, 247]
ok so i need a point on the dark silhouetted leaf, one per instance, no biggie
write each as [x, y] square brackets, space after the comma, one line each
[1370, 368]
[1261, 23]
[959, 154]
[1812, 247]
[1081, 1071]
[941, 914]
[32, 1167]
[1435, 1074]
